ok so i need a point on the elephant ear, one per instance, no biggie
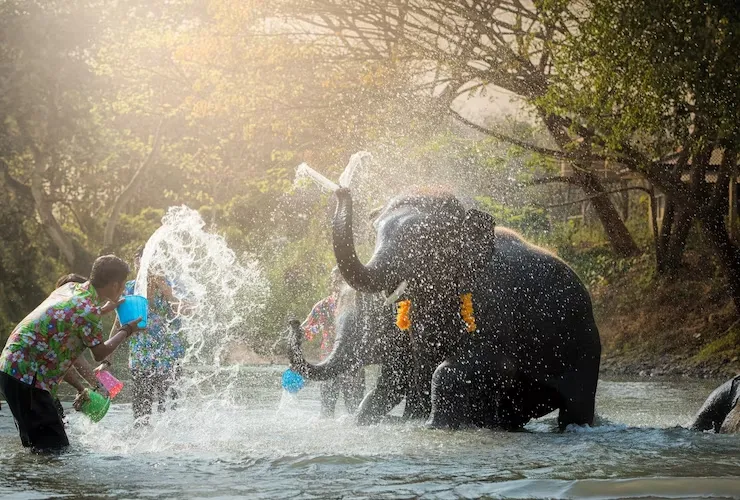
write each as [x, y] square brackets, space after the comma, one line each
[478, 239]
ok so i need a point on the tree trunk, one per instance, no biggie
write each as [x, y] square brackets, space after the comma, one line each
[664, 236]
[75, 256]
[683, 220]
[619, 237]
[129, 190]
[713, 226]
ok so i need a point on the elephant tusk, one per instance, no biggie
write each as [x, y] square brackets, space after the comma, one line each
[392, 298]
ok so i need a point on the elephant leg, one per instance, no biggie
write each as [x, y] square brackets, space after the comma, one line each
[578, 400]
[329, 396]
[518, 404]
[389, 391]
[450, 389]
[353, 390]
[577, 391]
[419, 398]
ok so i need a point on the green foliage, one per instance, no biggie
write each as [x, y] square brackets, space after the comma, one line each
[651, 74]
[298, 273]
[527, 220]
[27, 264]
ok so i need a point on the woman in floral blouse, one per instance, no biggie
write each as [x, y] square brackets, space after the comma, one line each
[43, 347]
[155, 354]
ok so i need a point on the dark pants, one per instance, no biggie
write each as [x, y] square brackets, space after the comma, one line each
[352, 387]
[35, 414]
[150, 386]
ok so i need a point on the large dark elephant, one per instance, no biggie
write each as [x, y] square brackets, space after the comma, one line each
[365, 335]
[531, 345]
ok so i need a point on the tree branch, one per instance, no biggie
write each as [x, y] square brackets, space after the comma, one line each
[568, 179]
[128, 191]
[18, 187]
[531, 147]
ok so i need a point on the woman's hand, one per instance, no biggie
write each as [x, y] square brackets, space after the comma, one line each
[80, 399]
[132, 327]
[110, 306]
[104, 365]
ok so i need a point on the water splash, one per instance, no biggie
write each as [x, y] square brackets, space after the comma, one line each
[224, 296]
[222, 299]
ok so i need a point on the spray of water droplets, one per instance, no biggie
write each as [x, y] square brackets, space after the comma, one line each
[223, 298]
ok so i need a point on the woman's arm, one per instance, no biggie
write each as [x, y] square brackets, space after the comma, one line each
[102, 351]
[180, 306]
[85, 370]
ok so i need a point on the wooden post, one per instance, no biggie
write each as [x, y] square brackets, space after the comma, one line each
[732, 202]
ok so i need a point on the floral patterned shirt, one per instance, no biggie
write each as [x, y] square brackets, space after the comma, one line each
[44, 345]
[160, 346]
[320, 321]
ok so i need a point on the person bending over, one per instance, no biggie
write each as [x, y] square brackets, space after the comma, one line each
[81, 368]
[43, 347]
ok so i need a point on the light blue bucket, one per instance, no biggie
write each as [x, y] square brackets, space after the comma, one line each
[134, 306]
[292, 381]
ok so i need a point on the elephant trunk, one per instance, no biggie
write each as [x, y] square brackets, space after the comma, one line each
[342, 359]
[356, 274]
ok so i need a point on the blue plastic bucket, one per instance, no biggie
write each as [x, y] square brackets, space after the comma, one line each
[292, 381]
[134, 306]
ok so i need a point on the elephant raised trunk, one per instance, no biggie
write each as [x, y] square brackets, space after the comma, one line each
[344, 357]
[355, 273]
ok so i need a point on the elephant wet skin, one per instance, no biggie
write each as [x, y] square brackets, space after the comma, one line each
[365, 335]
[721, 411]
[501, 331]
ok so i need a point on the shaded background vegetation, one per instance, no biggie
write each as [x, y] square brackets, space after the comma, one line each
[564, 119]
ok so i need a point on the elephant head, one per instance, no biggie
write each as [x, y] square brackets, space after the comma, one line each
[431, 249]
[428, 244]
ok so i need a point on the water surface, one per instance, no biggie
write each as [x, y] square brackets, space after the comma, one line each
[262, 443]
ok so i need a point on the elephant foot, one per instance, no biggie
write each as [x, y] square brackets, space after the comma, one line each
[437, 421]
[368, 418]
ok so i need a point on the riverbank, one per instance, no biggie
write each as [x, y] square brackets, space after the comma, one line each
[658, 327]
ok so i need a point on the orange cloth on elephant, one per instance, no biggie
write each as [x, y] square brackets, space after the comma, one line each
[320, 321]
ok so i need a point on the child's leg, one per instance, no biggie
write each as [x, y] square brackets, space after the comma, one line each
[167, 387]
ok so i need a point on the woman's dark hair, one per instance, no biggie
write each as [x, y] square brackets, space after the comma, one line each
[108, 269]
[70, 278]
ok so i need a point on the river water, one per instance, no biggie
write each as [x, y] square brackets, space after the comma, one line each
[267, 444]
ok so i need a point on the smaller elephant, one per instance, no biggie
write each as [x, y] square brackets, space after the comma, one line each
[365, 335]
[721, 411]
